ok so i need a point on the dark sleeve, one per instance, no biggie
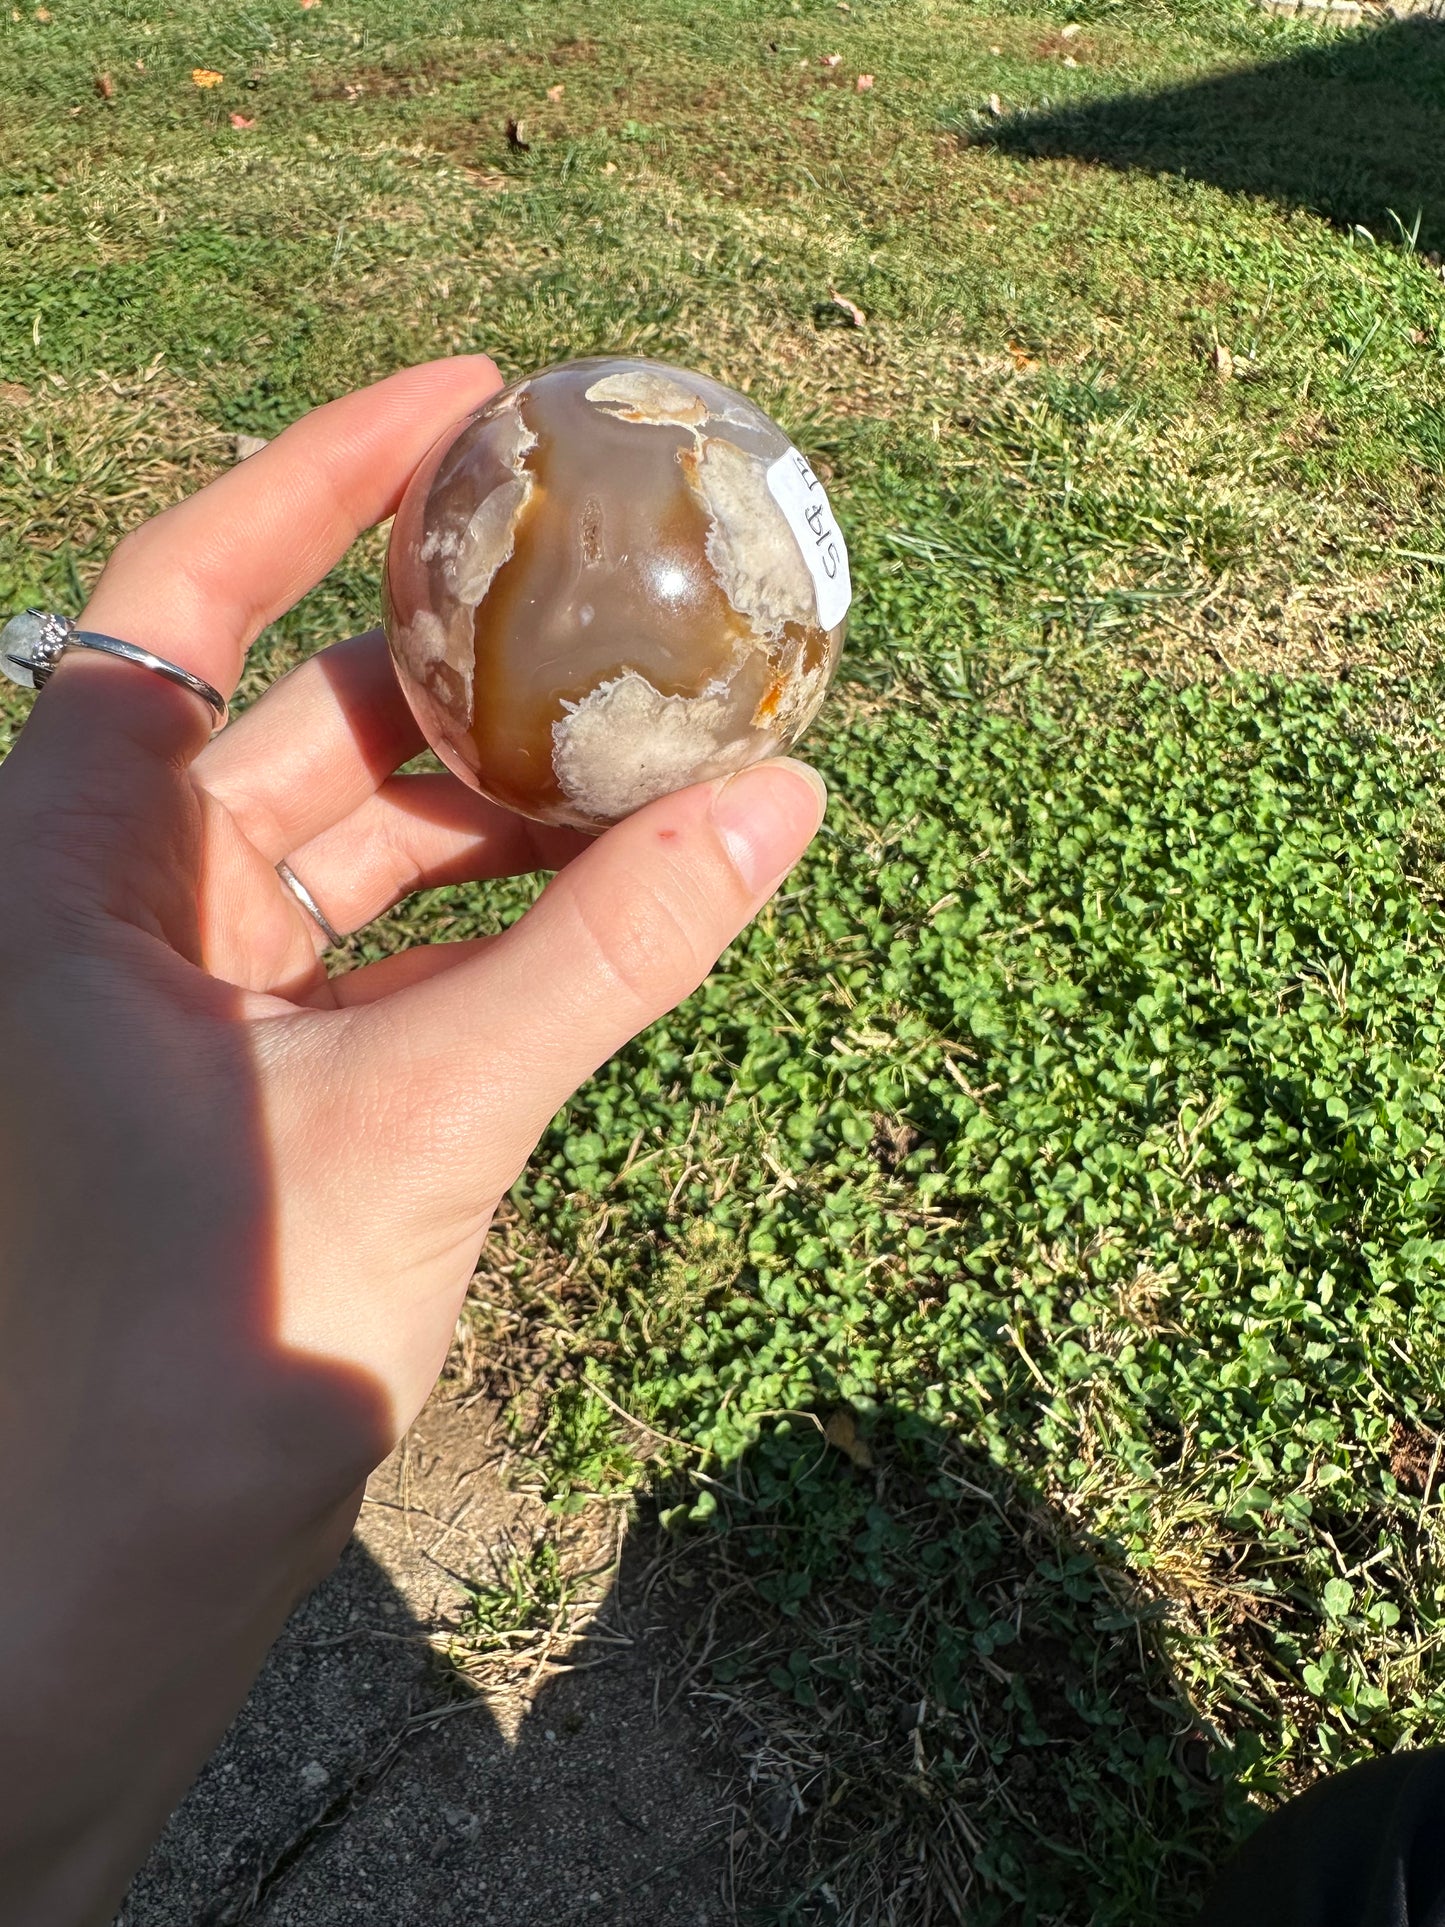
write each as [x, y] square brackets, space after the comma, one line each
[1363, 1849]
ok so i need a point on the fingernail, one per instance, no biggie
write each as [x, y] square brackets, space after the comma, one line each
[766, 817]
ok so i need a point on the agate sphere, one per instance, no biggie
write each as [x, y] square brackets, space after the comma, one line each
[614, 579]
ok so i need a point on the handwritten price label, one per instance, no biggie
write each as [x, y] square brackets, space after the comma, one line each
[799, 494]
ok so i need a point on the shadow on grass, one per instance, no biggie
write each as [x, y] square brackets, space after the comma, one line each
[1353, 130]
[366, 1783]
[949, 1702]
[925, 1698]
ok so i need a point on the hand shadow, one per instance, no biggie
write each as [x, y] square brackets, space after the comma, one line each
[934, 1699]
[1352, 129]
[369, 1782]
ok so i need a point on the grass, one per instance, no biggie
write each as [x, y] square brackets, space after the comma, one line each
[1022, 1261]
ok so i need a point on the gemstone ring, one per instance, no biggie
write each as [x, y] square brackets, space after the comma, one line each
[33, 642]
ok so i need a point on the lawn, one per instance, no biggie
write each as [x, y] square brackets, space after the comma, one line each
[1015, 1276]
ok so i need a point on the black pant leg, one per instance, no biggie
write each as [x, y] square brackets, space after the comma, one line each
[1365, 1848]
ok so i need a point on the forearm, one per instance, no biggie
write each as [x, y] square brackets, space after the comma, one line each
[117, 1680]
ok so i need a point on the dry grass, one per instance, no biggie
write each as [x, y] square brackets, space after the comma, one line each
[86, 460]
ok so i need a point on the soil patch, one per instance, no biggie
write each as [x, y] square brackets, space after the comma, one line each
[370, 1780]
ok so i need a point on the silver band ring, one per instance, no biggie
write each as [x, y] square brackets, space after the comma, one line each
[309, 904]
[33, 642]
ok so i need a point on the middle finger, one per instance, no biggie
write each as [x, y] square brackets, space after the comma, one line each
[314, 748]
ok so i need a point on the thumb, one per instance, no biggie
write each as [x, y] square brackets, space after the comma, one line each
[619, 937]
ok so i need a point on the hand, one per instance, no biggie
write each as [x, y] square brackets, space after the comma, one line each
[242, 1201]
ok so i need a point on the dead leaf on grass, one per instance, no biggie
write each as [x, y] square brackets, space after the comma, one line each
[556, 93]
[856, 316]
[863, 84]
[1223, 362]
[105, 86]
[841, 1431]
[1414, 1457]
[14, 394]
[206, 77]
[42, 14]
[893, 1139]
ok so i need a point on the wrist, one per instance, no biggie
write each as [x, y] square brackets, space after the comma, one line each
[119, 1673]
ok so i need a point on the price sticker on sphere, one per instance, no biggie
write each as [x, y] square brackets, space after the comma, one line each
[799, 494]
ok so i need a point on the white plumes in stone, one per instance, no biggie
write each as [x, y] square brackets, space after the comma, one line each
[625, 744]
[488, 540]
[755, 554]
[432, 648]
[647, 395]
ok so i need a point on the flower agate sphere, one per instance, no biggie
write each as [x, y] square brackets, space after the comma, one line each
[614, 579]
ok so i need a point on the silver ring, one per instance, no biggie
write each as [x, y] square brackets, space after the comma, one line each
[308, 903]
[33, 642]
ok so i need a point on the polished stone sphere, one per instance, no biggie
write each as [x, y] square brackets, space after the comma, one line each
[614, 579]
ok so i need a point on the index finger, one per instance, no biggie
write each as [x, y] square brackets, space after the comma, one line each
[198, 583]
